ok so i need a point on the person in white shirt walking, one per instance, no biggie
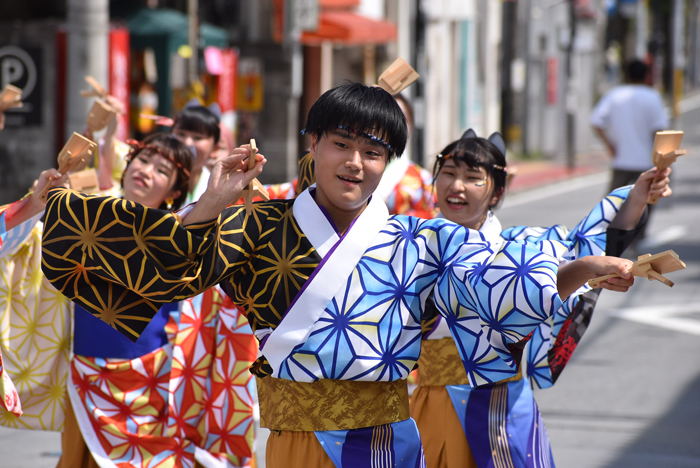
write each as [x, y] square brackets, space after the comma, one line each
[626, 119]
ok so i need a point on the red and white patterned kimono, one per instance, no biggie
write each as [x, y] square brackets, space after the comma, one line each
[190, 398]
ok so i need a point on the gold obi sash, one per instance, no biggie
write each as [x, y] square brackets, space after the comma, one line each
[439, 365]
[330, 405]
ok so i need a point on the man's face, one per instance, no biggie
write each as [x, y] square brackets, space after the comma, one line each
[348, 170]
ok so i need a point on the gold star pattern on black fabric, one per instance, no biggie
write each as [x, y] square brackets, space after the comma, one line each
[121, 261]
[307, 173]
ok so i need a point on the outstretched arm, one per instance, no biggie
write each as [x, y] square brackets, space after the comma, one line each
[651, 182]
[32, 205]
[575, 274]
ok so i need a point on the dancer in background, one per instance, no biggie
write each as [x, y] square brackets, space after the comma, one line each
[183, 390]
[499, 422]
[198, 127]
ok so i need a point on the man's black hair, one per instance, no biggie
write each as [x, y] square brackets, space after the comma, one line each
[636, 71]
[364, 109]
[198, 119]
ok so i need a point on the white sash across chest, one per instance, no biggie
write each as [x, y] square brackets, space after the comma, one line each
[340, 256]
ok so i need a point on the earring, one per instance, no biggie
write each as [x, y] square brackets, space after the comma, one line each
[169, 203]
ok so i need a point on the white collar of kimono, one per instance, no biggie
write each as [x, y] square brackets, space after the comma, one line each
[491, 229]
[393, 174]
[339, 261]
[314, 223]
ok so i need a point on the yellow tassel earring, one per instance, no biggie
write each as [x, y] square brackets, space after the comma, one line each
[169, 203]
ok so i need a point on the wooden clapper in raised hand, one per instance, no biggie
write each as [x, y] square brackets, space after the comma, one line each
[100, 114]
[651, 266]
[102, 109]
[665, 152]
[10, 97]
[74, 157]
[254, 188]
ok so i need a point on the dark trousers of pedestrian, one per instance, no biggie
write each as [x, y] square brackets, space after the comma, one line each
[621, 178]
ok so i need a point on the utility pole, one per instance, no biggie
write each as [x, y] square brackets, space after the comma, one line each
[677, 55]
[193, 39]
[570, 107]
[509, 16]
[528, 72]
[88, 51]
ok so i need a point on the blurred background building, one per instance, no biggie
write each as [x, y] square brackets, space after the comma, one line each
[532, 69]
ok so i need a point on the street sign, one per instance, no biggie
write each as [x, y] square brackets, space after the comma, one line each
[21, 67]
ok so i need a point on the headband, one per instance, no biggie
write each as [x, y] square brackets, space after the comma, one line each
[496, 139]
[369, 136]
[137, 146]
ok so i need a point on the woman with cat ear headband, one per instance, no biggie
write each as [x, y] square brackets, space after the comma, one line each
[467, 424]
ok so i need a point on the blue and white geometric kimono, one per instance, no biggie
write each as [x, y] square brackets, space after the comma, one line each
[544, 355]
[324, 306]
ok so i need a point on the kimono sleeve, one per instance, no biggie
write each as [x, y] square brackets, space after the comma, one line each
[120, 260]
[555, 340]
[589, 237]
[491, 306]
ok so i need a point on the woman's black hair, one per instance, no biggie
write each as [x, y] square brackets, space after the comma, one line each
[178, 153]
[361, 109]
[476, 152]
[198, 119]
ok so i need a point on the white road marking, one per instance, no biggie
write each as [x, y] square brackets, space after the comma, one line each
[663, 237]
[673, 317]
[689, 104]
[554, 190]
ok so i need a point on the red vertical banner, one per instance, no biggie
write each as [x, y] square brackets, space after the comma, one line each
[227, 80]
[119, 75]
[552, 80]
[278, 21]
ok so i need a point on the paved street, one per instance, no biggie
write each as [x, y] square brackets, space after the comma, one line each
[630, 397]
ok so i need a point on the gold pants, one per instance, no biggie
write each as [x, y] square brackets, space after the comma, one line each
[444, 442]
[295, 449]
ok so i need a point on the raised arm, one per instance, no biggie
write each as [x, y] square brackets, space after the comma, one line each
[32, 205]
[228, 179]
[107, 155]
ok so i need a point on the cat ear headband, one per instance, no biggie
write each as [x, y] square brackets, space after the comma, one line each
[496, 139]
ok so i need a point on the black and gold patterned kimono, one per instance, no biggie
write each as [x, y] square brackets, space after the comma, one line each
[91, 238]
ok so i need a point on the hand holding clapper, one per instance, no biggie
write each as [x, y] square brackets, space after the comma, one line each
[651, 266]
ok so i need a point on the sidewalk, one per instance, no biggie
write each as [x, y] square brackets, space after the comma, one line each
[534, 174]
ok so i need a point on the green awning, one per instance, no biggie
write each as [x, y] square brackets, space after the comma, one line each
[165, 31]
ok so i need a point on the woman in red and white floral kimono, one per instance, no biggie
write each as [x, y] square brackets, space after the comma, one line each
[179, 395]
